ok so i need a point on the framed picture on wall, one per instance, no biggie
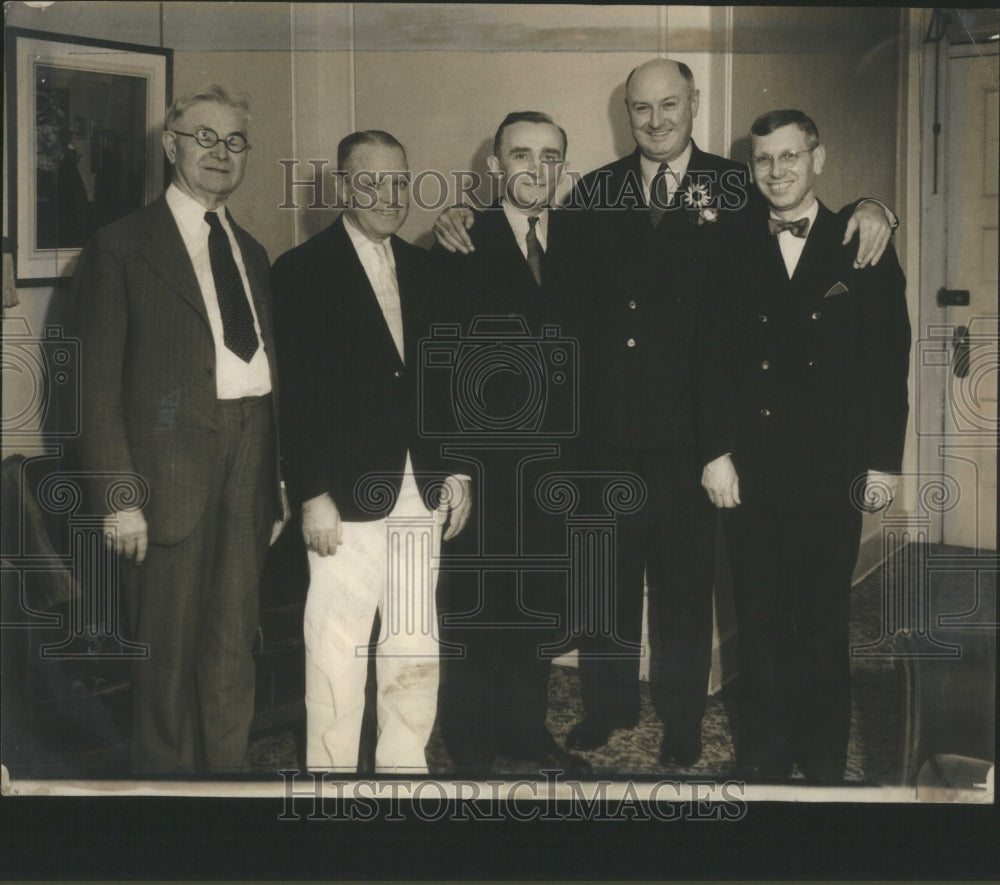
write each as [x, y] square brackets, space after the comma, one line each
[59, 196]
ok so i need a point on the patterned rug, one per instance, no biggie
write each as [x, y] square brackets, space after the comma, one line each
[873, 753]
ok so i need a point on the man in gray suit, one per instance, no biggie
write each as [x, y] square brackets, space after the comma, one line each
[172, 309]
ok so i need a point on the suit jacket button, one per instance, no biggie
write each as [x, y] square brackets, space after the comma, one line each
[632, 304]
[631, 342]
[765, 413]
[817, 315]
[398, 373]
[762, 317]
[813, 364]
[765, 365]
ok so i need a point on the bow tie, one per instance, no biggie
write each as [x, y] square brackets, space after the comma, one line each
[798, 228]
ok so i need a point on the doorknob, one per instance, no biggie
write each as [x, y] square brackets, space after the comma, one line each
[960, 348]
[952, 297]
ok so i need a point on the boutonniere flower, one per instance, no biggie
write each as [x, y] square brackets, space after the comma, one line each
[697, 196]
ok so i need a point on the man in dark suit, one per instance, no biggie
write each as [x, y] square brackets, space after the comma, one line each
[659, 225]
[500, 625]
[172, 309]
[821, 354]
[352, 304]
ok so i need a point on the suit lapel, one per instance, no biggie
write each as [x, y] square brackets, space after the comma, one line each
[348, 276]
[164, 250]
[509, 251]
[819, 257]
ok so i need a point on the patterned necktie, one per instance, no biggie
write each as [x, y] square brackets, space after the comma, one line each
[237, 320]
[534, 250]
[659, 194]
[798, 228]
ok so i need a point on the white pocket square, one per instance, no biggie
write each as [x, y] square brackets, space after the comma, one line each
[836, 289]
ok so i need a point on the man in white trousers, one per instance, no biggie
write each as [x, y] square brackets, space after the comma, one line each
[351, 306]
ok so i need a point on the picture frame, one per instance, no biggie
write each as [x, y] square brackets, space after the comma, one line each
[60, 189]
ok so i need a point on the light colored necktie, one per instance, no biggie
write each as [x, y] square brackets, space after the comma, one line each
[387, 293]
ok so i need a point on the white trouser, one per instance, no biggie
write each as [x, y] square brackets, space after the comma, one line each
[390, 565]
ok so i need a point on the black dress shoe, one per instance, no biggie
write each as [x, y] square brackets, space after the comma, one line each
[569, 764]
[824, 779]
[763, 774]
[591, 733]
[547, 754]
[680, 753]
[476, 768]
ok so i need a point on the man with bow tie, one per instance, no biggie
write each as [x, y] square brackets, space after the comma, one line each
[820, 363]
[351, 305]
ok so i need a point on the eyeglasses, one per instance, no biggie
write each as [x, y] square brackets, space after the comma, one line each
[764, 163]
[209, 138]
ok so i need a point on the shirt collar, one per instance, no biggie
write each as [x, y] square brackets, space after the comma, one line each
[362, 243]
[188, 212]
[518, 222]
[678, 165]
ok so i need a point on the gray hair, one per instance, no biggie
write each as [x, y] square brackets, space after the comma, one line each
[213, 93]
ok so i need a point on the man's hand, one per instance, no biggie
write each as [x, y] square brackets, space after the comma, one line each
[286, 514]
[455, 506]
[321, 527]
[880, 489]
[721, 482]
[870, 221]
[126, 531]
[451, 229]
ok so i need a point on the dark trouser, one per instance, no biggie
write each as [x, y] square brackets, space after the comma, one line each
[791, 585]
[493, 697]
[500, 624]
[671, 540]
[195, 605]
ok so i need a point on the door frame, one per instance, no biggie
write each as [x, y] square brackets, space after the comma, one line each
[925, 87]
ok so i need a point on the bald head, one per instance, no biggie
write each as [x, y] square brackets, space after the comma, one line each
[665, 65]
[662, 103]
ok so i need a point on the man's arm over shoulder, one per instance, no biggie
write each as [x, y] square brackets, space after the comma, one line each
[886, 327]
[454, 274]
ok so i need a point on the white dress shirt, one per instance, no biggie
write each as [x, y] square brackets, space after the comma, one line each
[380, 268]
[518, 222]
[678, 169]
[791, 246]
[234, 378]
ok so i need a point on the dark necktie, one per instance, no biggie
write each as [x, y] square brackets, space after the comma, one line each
[534, 250]
[798, 228]
[659, 194]
[237, 320]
